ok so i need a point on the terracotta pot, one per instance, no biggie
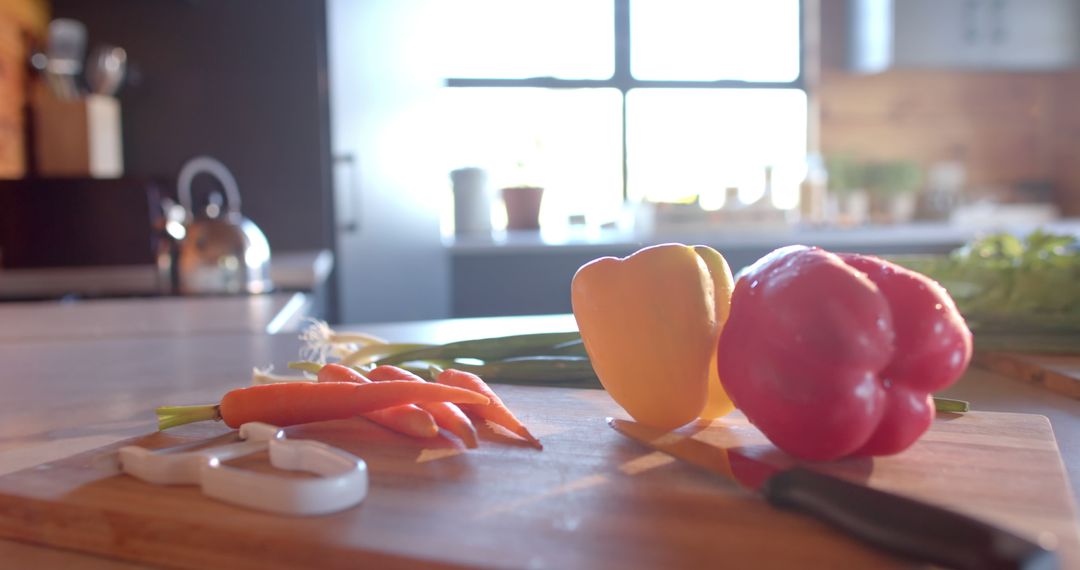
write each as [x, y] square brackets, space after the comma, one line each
[523, 207]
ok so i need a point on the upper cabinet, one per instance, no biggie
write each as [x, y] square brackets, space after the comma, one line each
[1020, 35]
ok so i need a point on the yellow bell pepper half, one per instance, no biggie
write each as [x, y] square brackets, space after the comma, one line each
[650, 324]
[718, 403]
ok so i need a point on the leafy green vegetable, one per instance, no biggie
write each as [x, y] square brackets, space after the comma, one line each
[1016, 293]
[1005, 276]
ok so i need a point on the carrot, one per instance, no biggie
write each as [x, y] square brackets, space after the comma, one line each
[293, 403]
[494, 411]
[447, 415]
[407, 419]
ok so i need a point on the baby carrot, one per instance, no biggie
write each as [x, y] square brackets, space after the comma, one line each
[407, 419]
[447, 415]
[494, 411]
[293, 403]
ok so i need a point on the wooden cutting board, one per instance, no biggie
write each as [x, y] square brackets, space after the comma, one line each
[590, 499]
[1057, 372]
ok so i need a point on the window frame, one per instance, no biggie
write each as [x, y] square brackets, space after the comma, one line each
[623, 80]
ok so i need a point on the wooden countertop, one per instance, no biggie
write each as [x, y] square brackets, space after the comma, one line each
[67, 394]
[150, 316]
[289, 271]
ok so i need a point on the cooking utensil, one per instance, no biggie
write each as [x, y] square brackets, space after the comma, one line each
[106, 68]
[342, 484]
[221, 250]
[66, 51]
[897, 524]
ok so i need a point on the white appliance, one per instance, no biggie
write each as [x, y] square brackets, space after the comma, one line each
[391, 262]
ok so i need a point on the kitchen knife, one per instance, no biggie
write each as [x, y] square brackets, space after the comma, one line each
[897, 524]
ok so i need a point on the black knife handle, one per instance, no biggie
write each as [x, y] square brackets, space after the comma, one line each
[904, 526]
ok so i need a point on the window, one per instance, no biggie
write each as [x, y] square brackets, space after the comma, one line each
[607, 101]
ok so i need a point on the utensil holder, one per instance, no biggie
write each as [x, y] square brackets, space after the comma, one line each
[77, 137]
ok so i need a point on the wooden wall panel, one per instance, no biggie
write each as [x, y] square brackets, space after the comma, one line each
[1002, 126]
[1066, 132]
[1006, 127]
[12, 98]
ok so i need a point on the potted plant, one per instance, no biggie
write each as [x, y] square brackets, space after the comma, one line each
[849, 202]
[893, 187]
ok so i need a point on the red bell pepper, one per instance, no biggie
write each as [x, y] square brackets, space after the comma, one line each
[836, 355]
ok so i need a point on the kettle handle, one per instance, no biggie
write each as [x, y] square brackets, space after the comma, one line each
[213, 167]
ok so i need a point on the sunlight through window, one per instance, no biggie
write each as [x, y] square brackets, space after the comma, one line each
[569, 39]
[567, 141]
[699, 142]
[715, 39]
[708, 97]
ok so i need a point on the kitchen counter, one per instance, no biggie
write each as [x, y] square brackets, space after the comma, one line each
[301, 270]
[528, 273]
[290, 271]
[151, 316]
[66, 395]
[913, 236]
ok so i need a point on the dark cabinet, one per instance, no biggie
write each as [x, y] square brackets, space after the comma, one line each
[243, 81]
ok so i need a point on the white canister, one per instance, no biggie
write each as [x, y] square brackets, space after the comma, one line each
[472, 201]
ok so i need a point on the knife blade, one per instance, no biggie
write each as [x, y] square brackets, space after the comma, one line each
[900, 525]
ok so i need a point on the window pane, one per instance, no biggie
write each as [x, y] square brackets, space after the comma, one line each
[567, 141]
[570, 39]
[683, 143]
[715, 39]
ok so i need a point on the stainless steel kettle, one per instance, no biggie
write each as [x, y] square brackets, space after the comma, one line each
[219, 251]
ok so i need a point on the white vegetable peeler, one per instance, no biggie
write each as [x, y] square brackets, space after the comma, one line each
[342, 481]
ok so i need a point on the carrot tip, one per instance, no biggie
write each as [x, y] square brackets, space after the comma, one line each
[524, 433]
[469, 438]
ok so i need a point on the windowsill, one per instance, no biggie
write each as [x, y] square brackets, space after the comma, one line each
[606, 240]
